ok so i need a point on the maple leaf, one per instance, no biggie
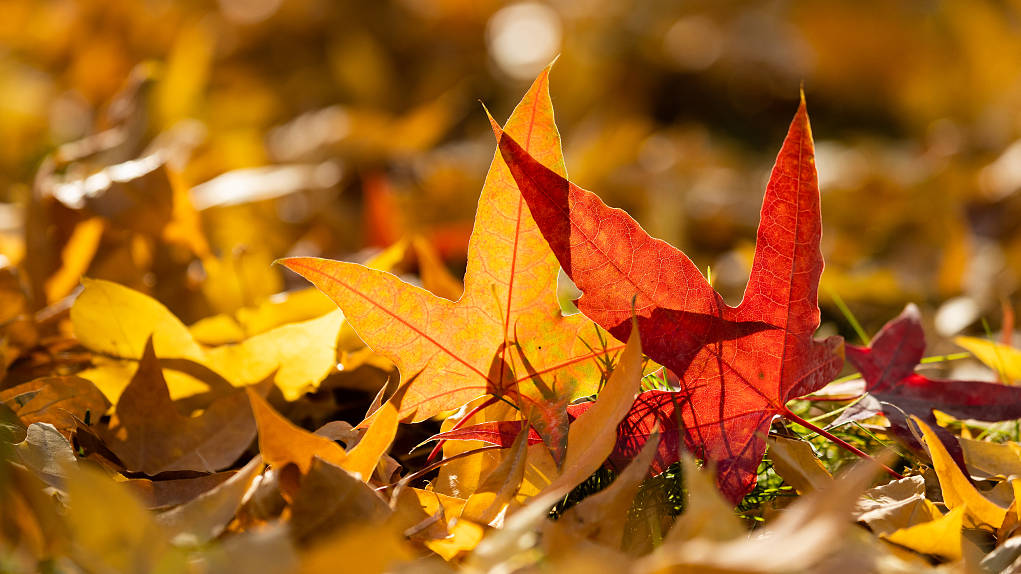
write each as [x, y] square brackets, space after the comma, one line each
[506, 335]
[737, 366]
[888, 367]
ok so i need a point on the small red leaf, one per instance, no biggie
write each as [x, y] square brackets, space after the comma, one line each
[888, 367]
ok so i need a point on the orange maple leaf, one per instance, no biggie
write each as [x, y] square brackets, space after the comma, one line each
[506, 335]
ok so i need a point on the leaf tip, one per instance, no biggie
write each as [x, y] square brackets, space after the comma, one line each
[497, 130]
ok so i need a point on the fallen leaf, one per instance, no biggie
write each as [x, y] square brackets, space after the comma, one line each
[332, 500]
[601, 518]
[373, 549]
[958, 491]
[706, 516]
[76, 256]
[465, 535]
[47, 453]
[421, 514]
[433, 271]
[156, 494]
[300, 354]
[111, 530]
[896, 505]
[939, 537]
[500, 485]
[54, 400]
[459, 351]
[806, 532]
[888, 366]
[1003, 359]
[148, 434]
[111, 376]
[117, 321]
[796, 463]
[281, 309]
[203, 518]
[114, 320]
[282, 443]
[363, 458]
[737, 367]
[986, 459]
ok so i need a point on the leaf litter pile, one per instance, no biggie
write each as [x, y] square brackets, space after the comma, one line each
[659, 429]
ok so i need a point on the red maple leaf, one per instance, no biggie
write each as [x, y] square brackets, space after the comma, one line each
[888, 367]
[737, 366]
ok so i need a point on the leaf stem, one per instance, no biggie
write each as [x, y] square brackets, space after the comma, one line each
[439, 446]
[790, 415]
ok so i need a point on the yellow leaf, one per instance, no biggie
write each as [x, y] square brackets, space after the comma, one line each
[302, 354]
[217, 330]
[365, 550]
[499, 486]
[363, 458]
[111, 530]
[592, 436]
[76, 257]
[243, 278]
[281, 442]
[420, 509]
[795, 462]
[111, 377]
[940, 537]
[117, 321]
[278, 310]
[182, 84]
[464, 536]
[1006, 361]
[296, 306]
[988, 459]
[283, 308]
[958, 491]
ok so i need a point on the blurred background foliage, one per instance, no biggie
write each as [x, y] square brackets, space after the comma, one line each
[179, 147]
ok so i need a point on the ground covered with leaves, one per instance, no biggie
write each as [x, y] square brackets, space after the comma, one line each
[277, 342]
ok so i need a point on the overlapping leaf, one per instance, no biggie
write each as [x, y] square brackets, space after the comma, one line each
[632, 433]
[888, 367]
[505, 330]
[149, 435]
[738, 366]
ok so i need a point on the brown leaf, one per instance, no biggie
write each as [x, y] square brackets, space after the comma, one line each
[332, 499]
[204, 518]
[898, 504]
[149, 435]
[155, 494]
[54, 400]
